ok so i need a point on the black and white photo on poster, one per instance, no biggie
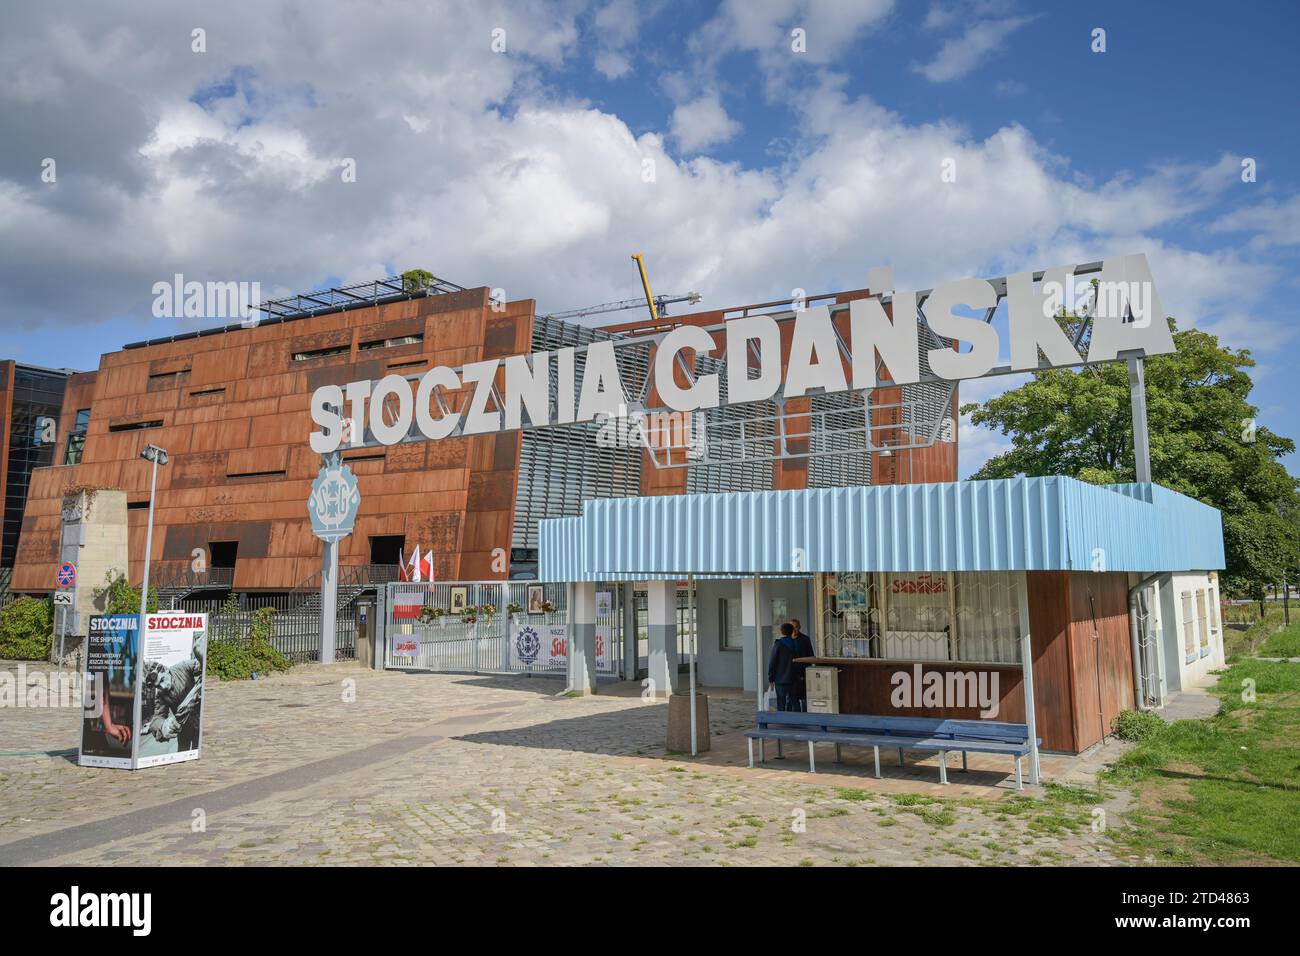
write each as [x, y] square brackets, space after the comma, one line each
[171, 688]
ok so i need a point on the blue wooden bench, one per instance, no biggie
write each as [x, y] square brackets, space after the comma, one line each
[900, 733]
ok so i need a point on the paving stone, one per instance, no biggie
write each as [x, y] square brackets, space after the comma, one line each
[462, 770]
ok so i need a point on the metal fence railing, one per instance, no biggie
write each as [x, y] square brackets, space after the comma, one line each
[295, 624]
[528, 641]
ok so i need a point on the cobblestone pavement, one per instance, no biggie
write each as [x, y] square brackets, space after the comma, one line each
[446, 769]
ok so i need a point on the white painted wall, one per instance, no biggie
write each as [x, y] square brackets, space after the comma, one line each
[1184, 670]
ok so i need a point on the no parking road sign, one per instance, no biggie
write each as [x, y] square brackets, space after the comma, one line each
[67, 575]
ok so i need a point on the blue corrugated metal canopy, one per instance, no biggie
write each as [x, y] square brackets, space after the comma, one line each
[1012, 524]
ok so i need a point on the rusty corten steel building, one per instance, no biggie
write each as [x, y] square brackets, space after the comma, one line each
[231, 408]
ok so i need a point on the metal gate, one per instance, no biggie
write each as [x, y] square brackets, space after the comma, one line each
[470, 627]
[1147, 622]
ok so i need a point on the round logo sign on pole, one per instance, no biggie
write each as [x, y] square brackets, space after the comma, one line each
[67, 575]
[333, 504]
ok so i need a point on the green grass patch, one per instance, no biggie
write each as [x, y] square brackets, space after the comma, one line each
[1247, 643]
[1226, 789]
[848, 793]
[1285, 643]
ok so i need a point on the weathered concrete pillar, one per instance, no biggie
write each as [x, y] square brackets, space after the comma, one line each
[93, 537]
[756, 635]
[662, 607]
[582, 638]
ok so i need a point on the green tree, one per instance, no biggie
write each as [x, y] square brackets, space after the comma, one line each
[1205, 443]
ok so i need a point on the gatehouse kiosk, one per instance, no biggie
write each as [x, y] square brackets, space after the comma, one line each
[1031, 589]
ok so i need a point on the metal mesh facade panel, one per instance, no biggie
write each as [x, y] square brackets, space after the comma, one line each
[563, 466]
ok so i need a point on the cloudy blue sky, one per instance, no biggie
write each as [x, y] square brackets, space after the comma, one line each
[523, 169]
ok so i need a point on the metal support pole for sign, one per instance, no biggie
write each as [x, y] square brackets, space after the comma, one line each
[61, 619]
[1027, 680]
[332, 507]
[760, 678]
[690, 605]
[1141, 437]
[329, 597]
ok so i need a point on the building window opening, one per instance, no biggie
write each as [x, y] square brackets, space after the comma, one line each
[387, 549]
[222, 554]
[731, 628]
[391, 343]
[920, 616]
[77, 438]
[135, 426]
[322, 353]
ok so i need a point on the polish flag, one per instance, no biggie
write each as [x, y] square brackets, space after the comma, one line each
[426, 566]
[415, 564]
[401, 566]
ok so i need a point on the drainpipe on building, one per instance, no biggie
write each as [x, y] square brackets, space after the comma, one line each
[1139, 696]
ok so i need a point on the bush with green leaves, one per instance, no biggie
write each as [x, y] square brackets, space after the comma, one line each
[120, 598]
[26, 629]
[1137, 725]
[232, 655]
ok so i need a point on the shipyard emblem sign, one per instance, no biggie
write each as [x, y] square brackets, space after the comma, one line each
[333, 504]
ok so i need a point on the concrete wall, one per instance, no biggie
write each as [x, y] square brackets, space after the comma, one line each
[727, 668]
[93, 538]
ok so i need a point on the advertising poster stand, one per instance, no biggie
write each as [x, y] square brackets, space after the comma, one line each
[144, 690]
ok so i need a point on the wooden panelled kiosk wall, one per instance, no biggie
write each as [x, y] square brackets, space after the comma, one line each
[1073, 618]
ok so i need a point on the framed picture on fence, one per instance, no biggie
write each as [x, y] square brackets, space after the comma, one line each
[535, 599]
[459, 599]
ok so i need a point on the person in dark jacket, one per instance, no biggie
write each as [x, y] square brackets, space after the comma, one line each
[804, 648]
[781, 669]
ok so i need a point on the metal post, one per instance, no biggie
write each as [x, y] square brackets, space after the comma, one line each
[760, 676]
[1027, 680]
[1141, 438]
[60, 616]
[148, 543]
[329, 599]
[1286, 601]
[504, 618]
[691, 623]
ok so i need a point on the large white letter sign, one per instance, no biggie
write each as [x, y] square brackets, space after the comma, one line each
[323, 404]
[1031, 318]
[704, 393]
[385, 433]
[477, 418]
[983, 338]
[872, 332]
[1126, 287]
[1127, 321]
[527, 388]
[602, 387]
[435, 427]
[740, 332]
[814, 355]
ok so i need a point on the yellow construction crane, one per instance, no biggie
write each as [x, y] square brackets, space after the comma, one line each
[657, 304]
[645, 286]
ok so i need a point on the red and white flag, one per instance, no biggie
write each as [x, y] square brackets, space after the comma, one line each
[401, 566]
[415, 564]
[426, 566]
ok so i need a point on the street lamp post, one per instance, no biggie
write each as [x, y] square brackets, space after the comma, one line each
[158, 456]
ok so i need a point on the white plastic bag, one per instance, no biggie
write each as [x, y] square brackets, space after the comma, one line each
[769, 699]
